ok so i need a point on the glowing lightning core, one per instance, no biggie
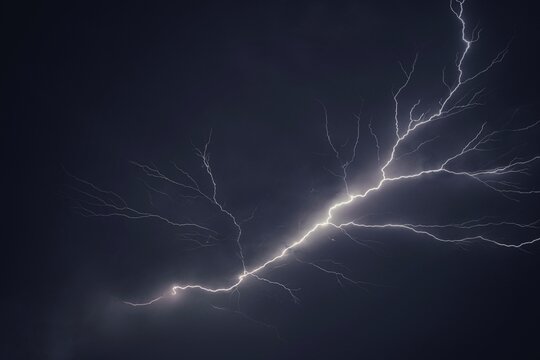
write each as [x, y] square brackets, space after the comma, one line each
[447, 107]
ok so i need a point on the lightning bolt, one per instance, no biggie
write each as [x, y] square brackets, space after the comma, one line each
[457, 99]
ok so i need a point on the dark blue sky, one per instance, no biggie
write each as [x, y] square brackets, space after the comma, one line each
[92, 86]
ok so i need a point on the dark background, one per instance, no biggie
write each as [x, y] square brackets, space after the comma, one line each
[90, 86]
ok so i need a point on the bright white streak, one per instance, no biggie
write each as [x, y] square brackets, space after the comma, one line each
[448, 106]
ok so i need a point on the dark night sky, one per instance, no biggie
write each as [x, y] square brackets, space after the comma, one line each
[94, 85]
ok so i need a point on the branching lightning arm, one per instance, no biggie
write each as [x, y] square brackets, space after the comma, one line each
[459, 97]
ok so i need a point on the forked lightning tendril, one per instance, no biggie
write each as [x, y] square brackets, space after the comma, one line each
[456, 101]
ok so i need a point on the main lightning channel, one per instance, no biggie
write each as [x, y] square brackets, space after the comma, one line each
[448, 106]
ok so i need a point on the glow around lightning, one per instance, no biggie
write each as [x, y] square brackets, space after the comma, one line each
[107, 204]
